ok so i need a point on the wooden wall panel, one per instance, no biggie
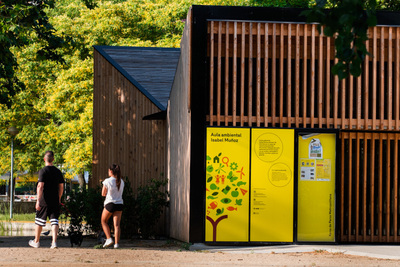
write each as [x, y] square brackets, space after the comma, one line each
[120, 135]
[179, 134]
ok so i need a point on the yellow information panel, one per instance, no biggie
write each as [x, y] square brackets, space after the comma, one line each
[316, 187]
[272, 161]
[227, 185]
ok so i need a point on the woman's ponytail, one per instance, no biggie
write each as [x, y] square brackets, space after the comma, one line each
[116, 171]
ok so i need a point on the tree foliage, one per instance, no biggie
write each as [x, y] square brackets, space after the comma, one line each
[22, 23]
[51, 104]
[46, 62]
[348, 22]
[392, 5]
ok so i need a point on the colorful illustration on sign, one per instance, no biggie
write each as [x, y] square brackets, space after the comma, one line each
[224, 187]
[227, 184]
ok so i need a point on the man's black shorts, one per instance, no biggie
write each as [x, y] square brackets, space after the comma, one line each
[111, 207]
[47, 212]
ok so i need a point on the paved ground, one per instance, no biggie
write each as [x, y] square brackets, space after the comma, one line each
[374, 251]
[14, 250]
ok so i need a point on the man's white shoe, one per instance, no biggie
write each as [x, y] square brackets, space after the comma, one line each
[109, 242]
[54, 245]
[33, 244]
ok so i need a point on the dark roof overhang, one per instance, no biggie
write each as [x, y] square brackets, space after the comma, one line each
[162, 115]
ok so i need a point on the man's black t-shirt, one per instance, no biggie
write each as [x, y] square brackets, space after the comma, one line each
[51, 176]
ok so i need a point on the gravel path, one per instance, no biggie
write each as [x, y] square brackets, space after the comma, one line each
[15, 251]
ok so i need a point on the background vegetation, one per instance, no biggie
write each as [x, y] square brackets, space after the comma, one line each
[83, 209]
[46, 81]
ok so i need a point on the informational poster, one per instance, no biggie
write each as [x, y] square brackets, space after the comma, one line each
[272, 185]
[315, 169]
[227, 184]
[316, 187]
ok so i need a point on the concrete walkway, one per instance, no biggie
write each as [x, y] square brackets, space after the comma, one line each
[374, 251]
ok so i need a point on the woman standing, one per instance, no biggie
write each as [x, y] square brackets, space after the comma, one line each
[113, 204]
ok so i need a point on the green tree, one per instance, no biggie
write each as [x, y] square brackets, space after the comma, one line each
[21, 23]
[393, 5]
[54, 111]
[50, 102]
[348, 22]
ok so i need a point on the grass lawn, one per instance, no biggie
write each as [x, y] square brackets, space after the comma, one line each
[17, 217]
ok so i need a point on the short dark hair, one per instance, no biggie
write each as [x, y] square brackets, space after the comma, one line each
[49, 156]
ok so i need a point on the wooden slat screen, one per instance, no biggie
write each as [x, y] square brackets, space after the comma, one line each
[369, 193]
[279, 75]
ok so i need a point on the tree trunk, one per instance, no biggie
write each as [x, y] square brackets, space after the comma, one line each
[81, 181]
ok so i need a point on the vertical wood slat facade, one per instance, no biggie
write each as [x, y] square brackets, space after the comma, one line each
[367, 102]
[370, 189]
[120, 135]
[288, 67]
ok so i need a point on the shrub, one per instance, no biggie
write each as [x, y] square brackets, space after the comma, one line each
[129, 217]
[150, 204]
[93, 208]
[73, 209]
[83, 205]
[140, 214]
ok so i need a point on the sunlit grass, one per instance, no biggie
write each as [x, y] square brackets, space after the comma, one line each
[5, 214]
[5, 222]
[17, 217]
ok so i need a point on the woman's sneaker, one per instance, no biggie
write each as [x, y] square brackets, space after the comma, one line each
[116, 246]
[109, 242]
[33, 244]
[54, 245]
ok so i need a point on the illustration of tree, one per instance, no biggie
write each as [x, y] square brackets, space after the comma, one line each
[225, 189]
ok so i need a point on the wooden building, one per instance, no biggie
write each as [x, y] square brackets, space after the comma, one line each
[267, 68]
[131, 91]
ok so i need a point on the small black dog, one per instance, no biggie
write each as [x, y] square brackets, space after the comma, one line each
[75, 237]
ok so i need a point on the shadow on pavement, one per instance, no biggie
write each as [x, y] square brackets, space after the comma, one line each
[89, 242]
[45, 241]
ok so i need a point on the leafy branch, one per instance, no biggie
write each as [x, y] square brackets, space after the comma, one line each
[20, 20]
[348, 22]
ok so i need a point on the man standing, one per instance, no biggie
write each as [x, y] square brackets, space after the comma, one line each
[49, 191]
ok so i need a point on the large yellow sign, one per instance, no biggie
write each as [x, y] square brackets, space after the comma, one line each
[236, 212]
[316, 187]
[227, 184]
[272, 160]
